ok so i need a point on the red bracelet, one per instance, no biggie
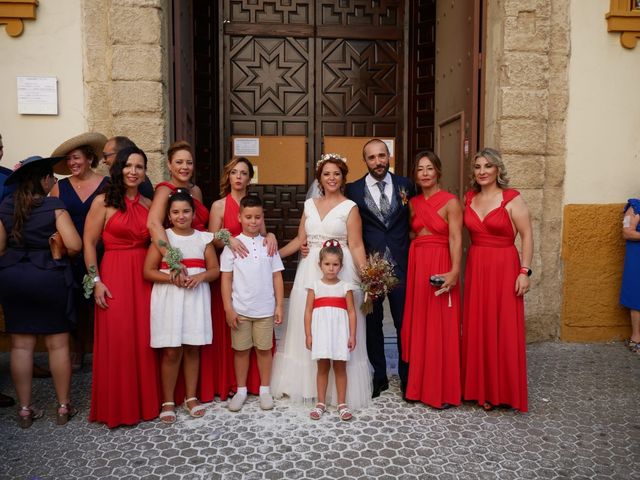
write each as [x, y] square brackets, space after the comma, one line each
[525, 271]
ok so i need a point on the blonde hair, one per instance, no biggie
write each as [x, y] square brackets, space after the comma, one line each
[493, 157]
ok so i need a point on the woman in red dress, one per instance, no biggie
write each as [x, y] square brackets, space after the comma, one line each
[181, 167]
[126, 385]
[494, 365]
[234, 186]
[431, 324]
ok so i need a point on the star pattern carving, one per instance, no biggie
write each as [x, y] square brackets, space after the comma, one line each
[270, 76]
[360, 78]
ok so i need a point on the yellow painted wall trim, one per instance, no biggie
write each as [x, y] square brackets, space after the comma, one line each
[593, 255]
[624, 18]
[13, 12]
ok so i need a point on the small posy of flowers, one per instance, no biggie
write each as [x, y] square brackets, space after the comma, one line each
[404, 195]
[376, 280]
[329, 156]
[173, 257]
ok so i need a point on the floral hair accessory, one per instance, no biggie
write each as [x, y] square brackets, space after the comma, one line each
[180, 191]
[331, 243]
[330, 156]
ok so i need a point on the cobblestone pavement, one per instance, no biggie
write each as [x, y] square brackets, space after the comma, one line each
[584, 422]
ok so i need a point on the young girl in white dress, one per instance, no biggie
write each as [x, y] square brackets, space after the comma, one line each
[330, 327]
[181, 314]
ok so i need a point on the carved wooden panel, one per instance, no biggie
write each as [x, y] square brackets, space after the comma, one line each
[288, 12]
[269, 81]
[311, 68]
[268, 77]
[422, 52]
[360, 89]
[376, 13]
[283, 209]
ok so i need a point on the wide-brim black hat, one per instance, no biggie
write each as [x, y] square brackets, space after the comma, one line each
[27, 165]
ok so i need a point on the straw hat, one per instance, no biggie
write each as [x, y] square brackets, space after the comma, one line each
[93, 139]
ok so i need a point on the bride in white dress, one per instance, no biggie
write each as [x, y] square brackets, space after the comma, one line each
[329, 216]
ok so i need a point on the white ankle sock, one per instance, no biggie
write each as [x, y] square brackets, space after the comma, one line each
[242, 391]
[265, 389]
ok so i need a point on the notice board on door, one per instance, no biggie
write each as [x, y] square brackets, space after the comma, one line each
[277, 160]
[351, 149]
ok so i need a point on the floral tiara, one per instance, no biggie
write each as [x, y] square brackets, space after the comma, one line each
[330, 156]
[331, 243]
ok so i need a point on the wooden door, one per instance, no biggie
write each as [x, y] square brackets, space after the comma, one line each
[311, 68]
[457, 65]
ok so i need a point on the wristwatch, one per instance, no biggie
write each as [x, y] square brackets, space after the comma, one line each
[526, 270]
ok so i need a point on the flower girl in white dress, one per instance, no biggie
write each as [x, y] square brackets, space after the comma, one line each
[330, 328]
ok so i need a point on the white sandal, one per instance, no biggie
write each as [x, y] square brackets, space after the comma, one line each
[168, 416]
[196, 411]
[318, 411]
[344, 412]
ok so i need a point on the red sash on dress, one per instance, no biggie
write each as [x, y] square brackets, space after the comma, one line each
[187, 262]
[338, 302]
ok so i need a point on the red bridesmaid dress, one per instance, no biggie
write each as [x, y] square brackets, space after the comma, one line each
[431, 326]
[126, 379]
[494, 364]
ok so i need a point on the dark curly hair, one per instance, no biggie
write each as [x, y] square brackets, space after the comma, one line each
[28, 195]
[115, 190]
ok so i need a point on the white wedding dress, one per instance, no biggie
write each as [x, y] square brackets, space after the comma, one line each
[294, 373]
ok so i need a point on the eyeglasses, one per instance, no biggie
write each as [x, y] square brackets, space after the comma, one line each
[106, 155]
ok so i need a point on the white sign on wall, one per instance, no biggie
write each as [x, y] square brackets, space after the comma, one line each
[246, 147]
[37, 95]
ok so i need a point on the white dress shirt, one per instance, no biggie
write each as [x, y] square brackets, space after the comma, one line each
[374, 190]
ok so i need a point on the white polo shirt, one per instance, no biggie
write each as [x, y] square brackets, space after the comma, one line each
[252, 292]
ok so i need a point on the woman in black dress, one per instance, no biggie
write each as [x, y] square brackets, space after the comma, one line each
[36, 290]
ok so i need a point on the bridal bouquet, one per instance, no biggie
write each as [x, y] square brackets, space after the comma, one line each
[376, 280]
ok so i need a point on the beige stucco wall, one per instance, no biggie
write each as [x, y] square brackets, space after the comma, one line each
[603, 126]
[603, 156]
[49, 46]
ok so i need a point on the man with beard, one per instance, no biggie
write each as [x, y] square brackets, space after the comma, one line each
[382, 198]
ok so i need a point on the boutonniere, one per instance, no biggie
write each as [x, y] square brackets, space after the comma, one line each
[404, 195]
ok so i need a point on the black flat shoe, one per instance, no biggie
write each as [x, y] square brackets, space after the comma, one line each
[379, 387]
[6, 401]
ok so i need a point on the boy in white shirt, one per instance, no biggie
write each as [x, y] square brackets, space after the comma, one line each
[252, 292]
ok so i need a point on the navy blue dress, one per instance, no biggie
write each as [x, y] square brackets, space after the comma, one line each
[78, 211]
[630, 291]
[36, 292]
